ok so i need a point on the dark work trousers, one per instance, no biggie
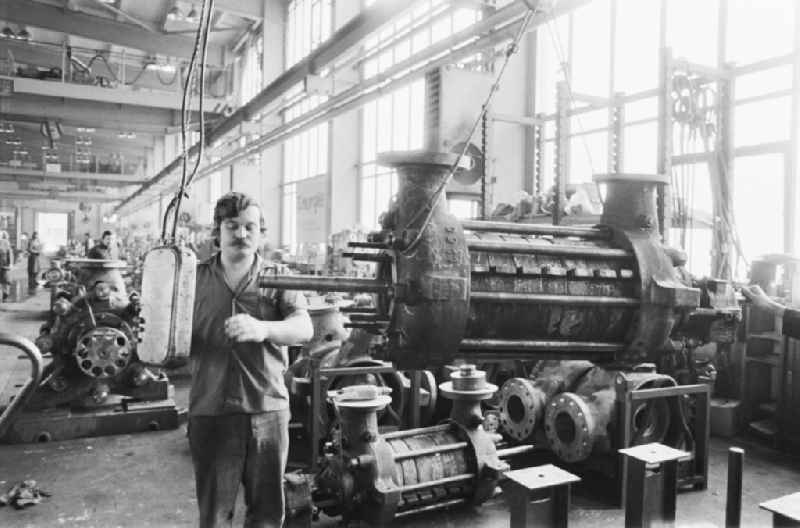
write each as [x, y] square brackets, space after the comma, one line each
[250, 449]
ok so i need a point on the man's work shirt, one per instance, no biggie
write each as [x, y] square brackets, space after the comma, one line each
[100, 251]
[229, 377]
[791, 323]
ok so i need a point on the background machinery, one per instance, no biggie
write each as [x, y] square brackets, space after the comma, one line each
[96, 382]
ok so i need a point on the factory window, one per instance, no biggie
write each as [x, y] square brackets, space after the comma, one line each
[591, 53]
[759, 180]
[308, 24]
[252, 72]
[636, 43]
[693, 219]
[305, 155]
[774, 18]
[396, 121]
[692, 30]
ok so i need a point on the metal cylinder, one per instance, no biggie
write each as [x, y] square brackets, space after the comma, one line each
[380, 478]
[523, 401]
[452, 289]
[9, 414]
[318, 283]
[580, 423]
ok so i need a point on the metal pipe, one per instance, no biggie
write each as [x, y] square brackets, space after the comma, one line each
[29, 387]
[430, 451]
[501, 246]
[430, 507]
[421, 430]
[347, 371]
[517, 450]
[322, 283]
[437, 482]
[536, 229]
[368, 318]
[357, 309]
[733, 501]
[537, 345]
[367, 257]
[562, 300]
[366, 326]
[367, 245]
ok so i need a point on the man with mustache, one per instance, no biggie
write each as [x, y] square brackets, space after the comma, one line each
[239, 403]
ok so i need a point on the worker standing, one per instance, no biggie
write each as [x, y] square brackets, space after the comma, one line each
[6, 262]
[239, 402]
[103, 248]
[88, 243]
[34, 249]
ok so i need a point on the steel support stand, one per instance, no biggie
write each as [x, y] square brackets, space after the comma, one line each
[785, 511]
[733, 502]
[538, 496]
[652, 485]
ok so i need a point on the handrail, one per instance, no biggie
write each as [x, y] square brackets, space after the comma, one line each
[22, 397]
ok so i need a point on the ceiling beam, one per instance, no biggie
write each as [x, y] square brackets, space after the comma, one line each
[116, 96]
[127, 16]
[94, 179]
[105, 116]
[99, 124]
[249, 9]
[102, 29]
[61, 196]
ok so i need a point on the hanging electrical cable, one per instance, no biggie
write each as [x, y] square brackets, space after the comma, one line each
[430, 206]
[201, 46]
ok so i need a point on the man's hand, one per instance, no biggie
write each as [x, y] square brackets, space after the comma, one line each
[757, 296]
[244, 327]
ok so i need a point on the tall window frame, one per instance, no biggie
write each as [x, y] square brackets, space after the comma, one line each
[396, 120]
[305, 155]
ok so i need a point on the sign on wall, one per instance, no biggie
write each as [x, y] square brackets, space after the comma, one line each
[312, 209]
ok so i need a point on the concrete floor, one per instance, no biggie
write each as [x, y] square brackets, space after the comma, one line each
[146, 479]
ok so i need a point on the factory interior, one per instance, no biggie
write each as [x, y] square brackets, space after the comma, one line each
[474, 263]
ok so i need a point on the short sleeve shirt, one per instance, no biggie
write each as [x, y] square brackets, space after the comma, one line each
[235, 378]
[791, 323]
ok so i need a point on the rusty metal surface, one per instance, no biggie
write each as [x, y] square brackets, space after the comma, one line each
[432, 277]
[447, 287]
[11, 411]
[378, 478]
[523, 401]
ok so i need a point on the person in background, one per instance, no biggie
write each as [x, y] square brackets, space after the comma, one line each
[34, 249]
[239, 402]
[6, 262]
[22, 244]
[103, 248]
[88, 243]
[790, 316]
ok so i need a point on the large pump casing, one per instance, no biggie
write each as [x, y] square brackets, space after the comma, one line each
[493, 290]
[168, 290]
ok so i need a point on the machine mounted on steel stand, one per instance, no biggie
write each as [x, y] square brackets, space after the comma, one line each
[101, 379]
[611, 294]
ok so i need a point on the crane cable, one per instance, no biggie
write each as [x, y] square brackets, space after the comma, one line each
[430, 206]
[201, 45]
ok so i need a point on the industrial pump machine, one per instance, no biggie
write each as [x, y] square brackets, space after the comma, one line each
[101, 379]
[608, 311]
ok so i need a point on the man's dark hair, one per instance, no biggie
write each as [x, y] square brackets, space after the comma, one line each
[229, 206]
[106, 233]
